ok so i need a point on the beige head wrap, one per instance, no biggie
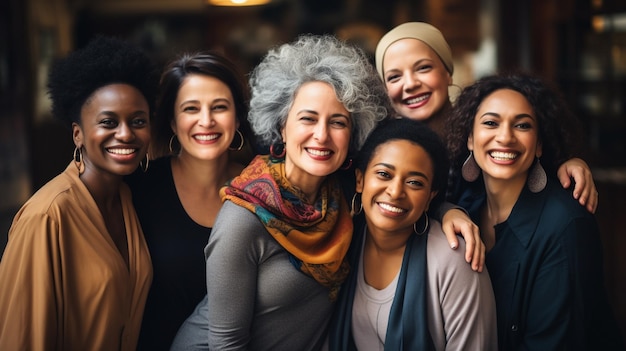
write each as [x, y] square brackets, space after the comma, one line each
[425, 32]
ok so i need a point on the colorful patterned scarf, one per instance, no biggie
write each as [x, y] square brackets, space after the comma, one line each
[316, 236]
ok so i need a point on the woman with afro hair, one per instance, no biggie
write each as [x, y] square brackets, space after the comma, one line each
[76, 270]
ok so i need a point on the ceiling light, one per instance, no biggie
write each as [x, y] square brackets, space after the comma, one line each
[238, 2]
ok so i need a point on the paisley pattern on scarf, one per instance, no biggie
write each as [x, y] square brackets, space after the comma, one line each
[316, 235]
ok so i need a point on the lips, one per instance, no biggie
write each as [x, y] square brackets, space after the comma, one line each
[417, 100]
[390, 208]
[206, 137]
[503, 156]
[121, 151]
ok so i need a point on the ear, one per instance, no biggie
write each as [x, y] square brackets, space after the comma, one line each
[359, 180]
[77, 135]
[449, 78]
[432, 196]
[173, 125]
[282, 134]
[470, 142]
[539, 150]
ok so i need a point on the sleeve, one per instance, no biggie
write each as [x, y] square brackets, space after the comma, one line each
[30, 276]
[463, 308]
[232, 258]
[444, 207]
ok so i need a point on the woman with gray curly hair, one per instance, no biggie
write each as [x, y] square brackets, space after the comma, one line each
[277, 253]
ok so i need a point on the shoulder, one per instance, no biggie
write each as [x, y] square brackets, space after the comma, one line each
[236, 221]
[561, 202]
[440, 254]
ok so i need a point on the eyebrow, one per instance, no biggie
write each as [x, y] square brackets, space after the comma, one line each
[317, 113]
[413, 173]
[520, 116]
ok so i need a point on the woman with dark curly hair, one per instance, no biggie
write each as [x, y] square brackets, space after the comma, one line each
[76, 270]
[201, 125]
[543, 249]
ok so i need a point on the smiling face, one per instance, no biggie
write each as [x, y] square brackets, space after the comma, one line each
[504, 137]
[316, 136]
[396, 187]
[416, 79]
[114, 130]
[205, 117]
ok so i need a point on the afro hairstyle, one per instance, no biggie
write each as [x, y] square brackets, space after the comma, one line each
[105, 60]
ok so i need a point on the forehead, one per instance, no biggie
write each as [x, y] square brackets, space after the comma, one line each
[408, 49]
[402, 154]
[505, 100]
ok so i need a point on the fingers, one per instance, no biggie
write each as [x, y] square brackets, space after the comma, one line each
[450, 233]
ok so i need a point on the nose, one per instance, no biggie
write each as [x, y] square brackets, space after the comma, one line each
[124, 132]
[394, 188]
[320, 133]
[206, 119]
[505, 135]
[411, 81]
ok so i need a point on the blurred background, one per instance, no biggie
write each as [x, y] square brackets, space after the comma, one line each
[580, 45]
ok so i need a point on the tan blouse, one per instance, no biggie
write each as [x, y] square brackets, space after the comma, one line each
[63, 283]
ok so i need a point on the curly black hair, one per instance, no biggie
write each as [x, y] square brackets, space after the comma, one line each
[105, 60]
[559, 129]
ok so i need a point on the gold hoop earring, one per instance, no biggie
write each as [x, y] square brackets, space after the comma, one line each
[425, 226]
[240, 143]
[353, 211]
[144, 165]
[170, 145]
[78, 160]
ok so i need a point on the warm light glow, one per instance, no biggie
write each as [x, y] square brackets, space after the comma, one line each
[238, 2]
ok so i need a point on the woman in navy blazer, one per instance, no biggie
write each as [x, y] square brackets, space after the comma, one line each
[543, 249]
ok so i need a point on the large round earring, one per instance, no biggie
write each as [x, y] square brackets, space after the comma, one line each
[171, 143]
[241, 141]
[537, 178]
[346, 164]
[470, 170]
[425, 225]
[78, 160]
[144, 165]
[356, 198]
[277, 151]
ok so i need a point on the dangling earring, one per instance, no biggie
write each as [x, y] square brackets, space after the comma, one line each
[170, 145]
[277, 151]
[240, 143]
[356, 198]
[537, 178]
[470, 170]
[78, 160]
[346, 164]
[425, 225]
[144, 165]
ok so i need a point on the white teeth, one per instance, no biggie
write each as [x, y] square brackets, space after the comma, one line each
[318, 152]
[503, 156]
[206, 137]
[390, 208]
[121, 151]
[416, 100]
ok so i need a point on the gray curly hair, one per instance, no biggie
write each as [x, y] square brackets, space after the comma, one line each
[324, 58]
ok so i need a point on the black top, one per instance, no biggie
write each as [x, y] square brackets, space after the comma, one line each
[176, 246]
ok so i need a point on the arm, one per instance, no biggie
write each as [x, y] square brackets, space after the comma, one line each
[461, 301]
[28, 272]
[232, 268]
[455, 221]
[584, 188]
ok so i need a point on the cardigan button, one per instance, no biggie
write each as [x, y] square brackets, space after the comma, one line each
[514, 327]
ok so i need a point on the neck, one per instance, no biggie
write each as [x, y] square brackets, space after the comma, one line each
[386, 243]
[437, 121]
[501, 197]
[202, 174]
[104, 188]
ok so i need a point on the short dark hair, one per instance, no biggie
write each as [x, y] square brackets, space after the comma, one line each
[558, 129]
[418, 133]
[207, 63]
[105, 60]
